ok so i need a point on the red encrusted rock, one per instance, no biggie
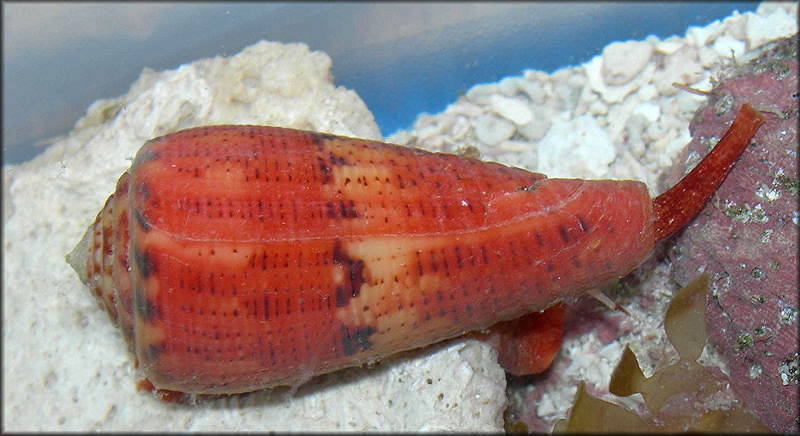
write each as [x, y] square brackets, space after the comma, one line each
[748, 235]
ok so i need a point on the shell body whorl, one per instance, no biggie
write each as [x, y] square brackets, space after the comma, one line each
[235, 258]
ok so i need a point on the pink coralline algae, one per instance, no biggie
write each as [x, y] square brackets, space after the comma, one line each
[747, 237]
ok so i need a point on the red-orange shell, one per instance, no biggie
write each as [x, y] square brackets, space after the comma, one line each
[235, 258]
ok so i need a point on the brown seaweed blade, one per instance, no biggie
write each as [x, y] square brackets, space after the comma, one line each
[685, 322]
[687, 381]
[592, 415]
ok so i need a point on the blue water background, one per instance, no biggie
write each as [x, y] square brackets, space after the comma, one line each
[45, 93]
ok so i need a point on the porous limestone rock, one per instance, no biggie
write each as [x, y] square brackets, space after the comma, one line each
[622, 61]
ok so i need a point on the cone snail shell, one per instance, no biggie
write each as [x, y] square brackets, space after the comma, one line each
[235, 258]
